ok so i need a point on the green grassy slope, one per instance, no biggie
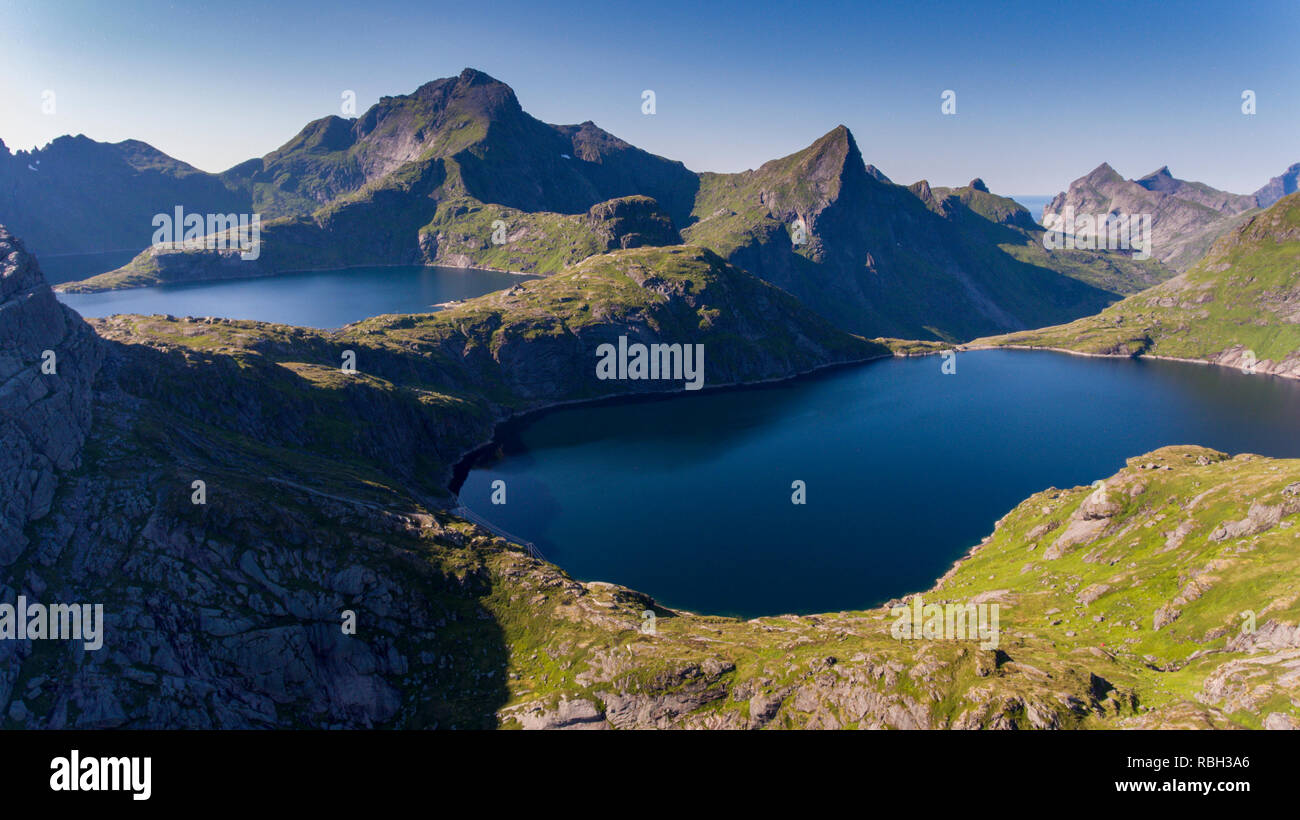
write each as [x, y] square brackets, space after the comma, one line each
[536, 342]
[1118, 607]
[1244, 296]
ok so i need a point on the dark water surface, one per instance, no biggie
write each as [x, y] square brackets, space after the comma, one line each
[323, 299]
[689, 498]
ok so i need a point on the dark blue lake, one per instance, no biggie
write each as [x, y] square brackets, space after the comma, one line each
[324, 299]
[689, 498]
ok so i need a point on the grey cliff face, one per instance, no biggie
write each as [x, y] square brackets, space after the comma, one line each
[1279, 186]
[1186, 217]
[225, 615]
[48, 360]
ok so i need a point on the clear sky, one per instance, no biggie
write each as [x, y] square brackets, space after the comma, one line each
[1045, 90]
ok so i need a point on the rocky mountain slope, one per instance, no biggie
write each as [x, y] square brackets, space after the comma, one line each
[323, 492]
[81, 196]
[1239, 306]
[882, 260]
[467, 136]
[491, 150]
[1279, 186]
[325, 499]
[1186, 217]
[48, 359]
[457, 173]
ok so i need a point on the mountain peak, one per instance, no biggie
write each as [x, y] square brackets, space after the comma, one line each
[472, 76]
[841, 135]
[922, 190]
[835, 156]
[837, 136]
[1103, 172]
[1160, 180]
[1186, 216]
[831, 158]
[469, 84]
[978, 185]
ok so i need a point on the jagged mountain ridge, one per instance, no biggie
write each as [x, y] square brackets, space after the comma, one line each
[878, 259]
[430, 177]
[1186, 217]
[500, 154]
[882, 259]
[81, 196]
[1279, 186]
[468, 133]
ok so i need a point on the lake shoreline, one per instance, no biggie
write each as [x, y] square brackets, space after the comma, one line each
[61, 287]
[325, 300]
[493, 458]
[1153, 357]
[466, 458]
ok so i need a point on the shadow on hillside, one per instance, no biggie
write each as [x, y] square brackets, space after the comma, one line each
[288, 539]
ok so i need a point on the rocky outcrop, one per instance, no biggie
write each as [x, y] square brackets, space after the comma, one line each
[1086, 524]
[233, 612]
[880, 259]
[1259, 518]
[236, 613]
[48, 360]
[877, 174]
[631, 222]
[1186, 217]
[1279, 186]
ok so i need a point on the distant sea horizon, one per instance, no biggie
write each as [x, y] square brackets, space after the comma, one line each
[1034, 203]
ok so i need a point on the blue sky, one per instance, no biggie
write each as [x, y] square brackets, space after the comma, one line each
[1045, 91]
